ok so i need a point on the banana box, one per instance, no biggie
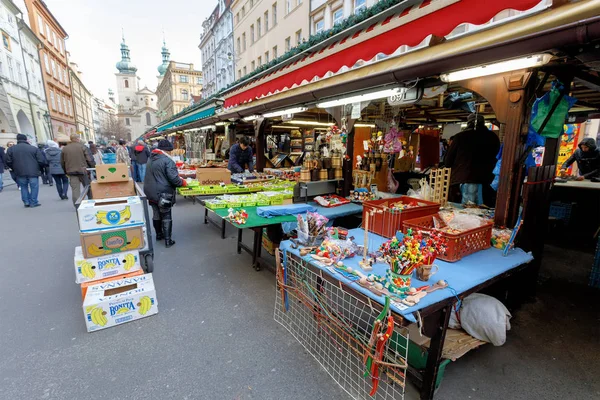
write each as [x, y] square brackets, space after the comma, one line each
[97, 244]
[106, 173]
[119, 301]
[102, 214]
[86, 285]
[91, 269]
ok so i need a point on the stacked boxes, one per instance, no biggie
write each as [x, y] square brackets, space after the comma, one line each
[107, 263]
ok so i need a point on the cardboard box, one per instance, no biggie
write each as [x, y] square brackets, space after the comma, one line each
[103, 214]
[96, 244]
[119, 301]
[110, 190]
[213, 176]
[112, 173]
[86, 285]
[93, 269]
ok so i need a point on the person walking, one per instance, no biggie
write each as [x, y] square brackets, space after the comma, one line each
[2, 166]
[74, 160]
[46, 178]
[123, 154]
[53, 155]
[27, 161]
[159, 184]
[134, 164]
[141, 157]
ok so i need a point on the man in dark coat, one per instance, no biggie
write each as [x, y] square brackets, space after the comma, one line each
[141, 157]
[588, 160]
[240, 157]
[472, 157]
[27, 161]
[75, 159]
[159, 184]
[2, 166]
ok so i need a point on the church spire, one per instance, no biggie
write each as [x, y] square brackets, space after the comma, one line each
[166, 56]
[125, 66]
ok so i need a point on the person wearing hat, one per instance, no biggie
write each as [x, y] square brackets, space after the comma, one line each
[159, 184]
[75, 159]
[27, 162]
[472, 157]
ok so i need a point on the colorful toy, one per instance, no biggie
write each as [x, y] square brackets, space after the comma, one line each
[237, 217]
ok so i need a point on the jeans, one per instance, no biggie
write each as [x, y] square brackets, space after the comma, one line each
[76, 181]
[141, 172]
[62, 184]
[135, 168]
[30, 188]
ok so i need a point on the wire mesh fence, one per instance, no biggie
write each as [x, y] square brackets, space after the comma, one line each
[342, 330]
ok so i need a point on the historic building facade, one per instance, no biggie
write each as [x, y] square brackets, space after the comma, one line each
[83, 101]
[179, 83]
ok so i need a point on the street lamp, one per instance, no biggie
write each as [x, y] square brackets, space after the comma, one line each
[49, 122]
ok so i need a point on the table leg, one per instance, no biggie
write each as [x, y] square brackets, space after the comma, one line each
[257, 248]
[223, 229]
[435, 355]
[239, 241]
[205, 216]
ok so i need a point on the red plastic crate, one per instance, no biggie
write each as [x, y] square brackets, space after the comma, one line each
[459, 244]
[386, 222]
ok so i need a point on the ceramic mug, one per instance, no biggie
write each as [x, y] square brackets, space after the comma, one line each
[424, 272]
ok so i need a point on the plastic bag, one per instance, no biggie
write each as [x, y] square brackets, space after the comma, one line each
[415, 194]
[461, 222]
[555, 125]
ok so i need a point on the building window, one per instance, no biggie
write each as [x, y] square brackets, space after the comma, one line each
[239, 73]
[11, 72]
[319, 26]
[54, 69]
[274, 52]
[239, 44]
[237, 18]
[199, 80]
[46, 63]
[70, 108]
[126, 83]
[148, 119]
[6, 41]
[244, 41]
[288, 6]
[65, 104]
[243, 11]
[60, 47]
[288, 44]
[183, 78]
[253, 66]
[266, 57]
[184, 95]
[52, 101]
[20, 73]
[66, 78]
[245, 71]
[258, 29]
[274, 12]
[266, 18]
[298, 37]
[59, 101]
[127, 122]
[40, 24]
[54, 39]
[252, 34]
[359, 5]
[338, 16]
[47, 31]
[60, 74]
[251, 3]
[259, 62]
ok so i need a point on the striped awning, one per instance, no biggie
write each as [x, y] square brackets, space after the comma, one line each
[186, 119]
[409, 25]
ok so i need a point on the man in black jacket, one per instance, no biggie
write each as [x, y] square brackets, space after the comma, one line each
[159, 184]
[588, 160]
[472, 157]
[27, 161]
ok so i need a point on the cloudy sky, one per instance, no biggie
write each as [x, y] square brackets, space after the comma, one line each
[94, 28]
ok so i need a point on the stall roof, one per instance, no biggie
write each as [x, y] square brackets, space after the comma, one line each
[200, 114]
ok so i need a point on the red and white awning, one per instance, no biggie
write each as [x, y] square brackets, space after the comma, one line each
[409, 26]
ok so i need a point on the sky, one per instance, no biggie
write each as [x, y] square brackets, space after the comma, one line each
[94, 29]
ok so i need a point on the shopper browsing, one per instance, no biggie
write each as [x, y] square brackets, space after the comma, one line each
[240, 157]
[588, 160]
[27, 162]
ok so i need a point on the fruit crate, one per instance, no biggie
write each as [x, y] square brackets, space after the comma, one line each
[386, 222]
[215, 204]
[459, 245]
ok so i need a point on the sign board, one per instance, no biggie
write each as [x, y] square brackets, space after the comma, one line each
[355, 110]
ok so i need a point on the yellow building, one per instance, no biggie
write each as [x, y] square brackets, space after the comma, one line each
[266, 29]
[179, 83]
[83, 101]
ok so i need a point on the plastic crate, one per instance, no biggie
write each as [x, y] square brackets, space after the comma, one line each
[109, 158]
[386, 222]
[215, 205]
[459, 244]
[560, 211]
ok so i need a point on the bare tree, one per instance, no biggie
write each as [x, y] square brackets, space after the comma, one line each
[114, 129]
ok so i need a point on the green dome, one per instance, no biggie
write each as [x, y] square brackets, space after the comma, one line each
[125, 66]
[162, 68]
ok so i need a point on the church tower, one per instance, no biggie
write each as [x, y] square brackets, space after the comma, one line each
[127, 81]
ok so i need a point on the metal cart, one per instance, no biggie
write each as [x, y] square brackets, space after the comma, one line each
[147, 253]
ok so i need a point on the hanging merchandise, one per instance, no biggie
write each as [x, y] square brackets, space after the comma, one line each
[393, 141]
[552, 109]
[496, 182]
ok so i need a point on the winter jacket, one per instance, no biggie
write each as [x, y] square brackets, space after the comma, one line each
[2, 160]
[25, 160]
[161, 176]
[588, 162]
[141, 154]
[238, 158]
[123, 156]
[75, 158]
[472, 156]
[53, 156]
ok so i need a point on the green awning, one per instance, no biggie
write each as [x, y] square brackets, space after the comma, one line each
[186, 119]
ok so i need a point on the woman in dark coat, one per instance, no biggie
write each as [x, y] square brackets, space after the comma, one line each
[159, 184]
[55, 169]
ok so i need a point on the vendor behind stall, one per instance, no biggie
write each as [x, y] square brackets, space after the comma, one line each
[240, 157]
[472, 157]
[588, 160]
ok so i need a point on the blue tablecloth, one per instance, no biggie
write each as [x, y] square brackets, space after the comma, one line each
[461, 275]
[331, 213]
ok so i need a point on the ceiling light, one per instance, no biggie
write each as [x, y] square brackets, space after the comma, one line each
[284, 127]
[381, 94]
[284, 112]
[221, 123]
[251, 118]
[497, 68]
[365, 125]
[312, 123]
